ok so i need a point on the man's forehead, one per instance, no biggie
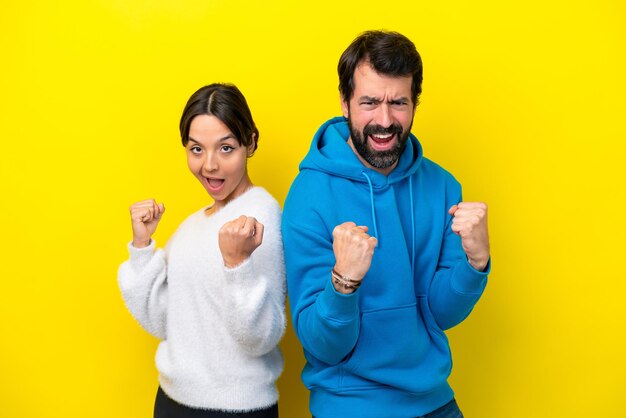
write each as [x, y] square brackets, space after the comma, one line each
[370, 83]
[365, 71]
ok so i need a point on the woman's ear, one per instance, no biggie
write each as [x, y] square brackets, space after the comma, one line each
[252, 146]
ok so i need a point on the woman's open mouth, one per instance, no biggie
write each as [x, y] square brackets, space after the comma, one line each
[214, 185]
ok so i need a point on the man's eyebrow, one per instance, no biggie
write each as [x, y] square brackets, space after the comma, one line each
[402, 99]
[399, 100]
[369, 99]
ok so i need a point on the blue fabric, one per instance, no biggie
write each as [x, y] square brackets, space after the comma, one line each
[449, 410]
[380, 351]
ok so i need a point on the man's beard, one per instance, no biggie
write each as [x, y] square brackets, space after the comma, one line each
[379, 159]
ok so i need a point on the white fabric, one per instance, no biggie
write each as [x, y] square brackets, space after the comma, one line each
[219, 327]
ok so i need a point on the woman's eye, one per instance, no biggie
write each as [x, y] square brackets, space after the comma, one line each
[227, 148]
[196, 150]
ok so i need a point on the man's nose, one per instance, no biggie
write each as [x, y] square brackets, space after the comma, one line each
[383, 116]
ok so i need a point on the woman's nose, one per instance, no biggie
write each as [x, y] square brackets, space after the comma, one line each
[210, 163]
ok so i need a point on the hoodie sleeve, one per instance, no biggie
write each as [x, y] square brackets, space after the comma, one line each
[326, 322]
[143, 283]
[255, 292]
[456, 286]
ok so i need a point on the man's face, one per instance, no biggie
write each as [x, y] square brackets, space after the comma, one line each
[380, 115]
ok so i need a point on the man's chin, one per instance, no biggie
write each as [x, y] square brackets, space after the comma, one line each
[386, 160]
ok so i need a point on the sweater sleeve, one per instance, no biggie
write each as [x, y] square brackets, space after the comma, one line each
[143, 283]
[255, 292]
[456, 286]
[327, 322]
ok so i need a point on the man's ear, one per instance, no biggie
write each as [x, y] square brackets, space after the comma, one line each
[345, 107]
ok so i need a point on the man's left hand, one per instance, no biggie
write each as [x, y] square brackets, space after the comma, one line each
[470, 223]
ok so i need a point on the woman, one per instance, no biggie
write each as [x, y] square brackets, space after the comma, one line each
[216, 295]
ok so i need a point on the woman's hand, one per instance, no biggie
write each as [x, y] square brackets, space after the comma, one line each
[238, 239]
[145, 217]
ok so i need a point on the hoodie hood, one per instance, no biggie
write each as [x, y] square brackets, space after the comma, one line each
[330, 153]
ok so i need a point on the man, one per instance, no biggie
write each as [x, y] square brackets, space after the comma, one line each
[382, 254]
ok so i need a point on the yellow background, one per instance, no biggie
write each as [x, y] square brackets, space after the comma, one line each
[523, 102]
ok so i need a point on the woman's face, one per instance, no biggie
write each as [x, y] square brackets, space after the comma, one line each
[217, 159]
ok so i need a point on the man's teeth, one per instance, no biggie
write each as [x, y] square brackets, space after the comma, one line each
[382, 137]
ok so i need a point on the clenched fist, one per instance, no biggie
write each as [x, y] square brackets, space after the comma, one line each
[238, 239]
[353, 248]
[470, 223]
[145, 217]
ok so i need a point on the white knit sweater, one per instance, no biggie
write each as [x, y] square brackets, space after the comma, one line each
[219, 327]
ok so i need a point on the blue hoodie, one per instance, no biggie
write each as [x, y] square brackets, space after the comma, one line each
[380, 351]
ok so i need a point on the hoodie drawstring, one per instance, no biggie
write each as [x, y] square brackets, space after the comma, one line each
[369, 181]
[372, 204]
[412, 227]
